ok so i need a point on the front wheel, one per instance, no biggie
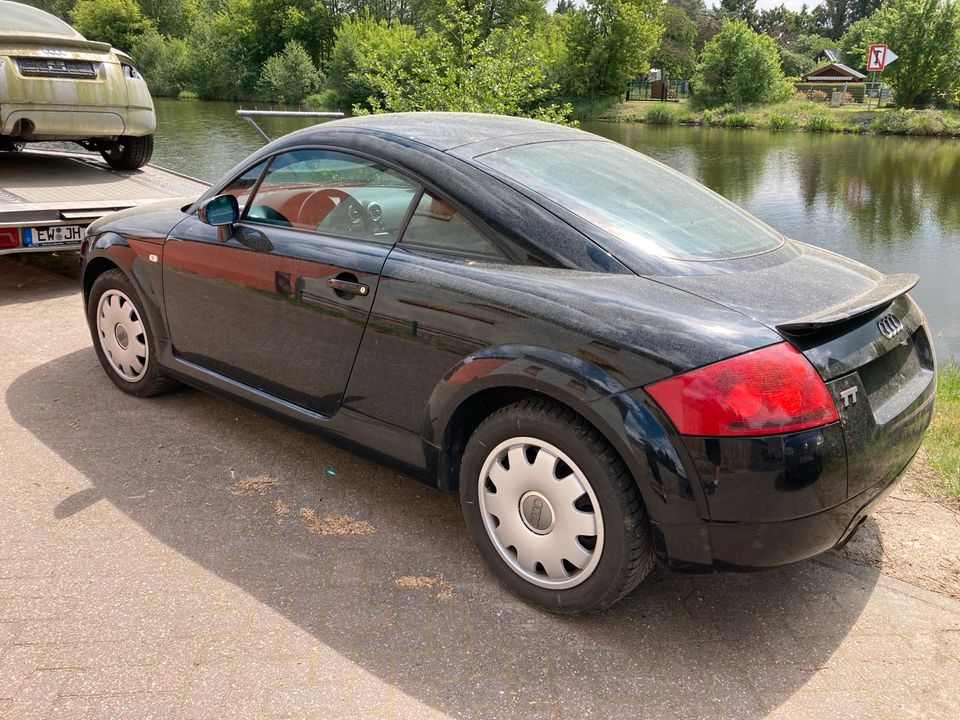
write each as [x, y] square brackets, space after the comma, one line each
[553, 509]
[128, 153]
[122, 336]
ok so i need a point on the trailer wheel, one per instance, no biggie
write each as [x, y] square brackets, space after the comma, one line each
[128, 153]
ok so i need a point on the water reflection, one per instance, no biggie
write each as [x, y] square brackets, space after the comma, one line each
[890, 202]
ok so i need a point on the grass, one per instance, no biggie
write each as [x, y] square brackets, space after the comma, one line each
[942, 443]
[794, 114]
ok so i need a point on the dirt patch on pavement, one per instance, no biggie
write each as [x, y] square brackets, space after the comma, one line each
[914, 537]
[444, 589]
[334, 524]
[256, 485]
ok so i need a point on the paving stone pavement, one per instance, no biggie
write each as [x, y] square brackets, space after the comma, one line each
[156, 561]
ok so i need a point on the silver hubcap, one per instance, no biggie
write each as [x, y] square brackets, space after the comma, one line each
[540, 513]
[123, 337]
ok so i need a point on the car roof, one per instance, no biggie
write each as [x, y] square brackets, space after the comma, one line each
[19, 19]
[445, 130]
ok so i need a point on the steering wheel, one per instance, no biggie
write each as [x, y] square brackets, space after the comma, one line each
[348, 218]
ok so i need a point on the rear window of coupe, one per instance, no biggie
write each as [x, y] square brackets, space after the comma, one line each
[634, 198]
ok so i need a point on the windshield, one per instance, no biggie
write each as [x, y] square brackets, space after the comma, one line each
[635, 199]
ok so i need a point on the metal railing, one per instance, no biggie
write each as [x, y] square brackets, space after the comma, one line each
[249, 115]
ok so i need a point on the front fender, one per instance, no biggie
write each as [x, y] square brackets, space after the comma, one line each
[139, 260]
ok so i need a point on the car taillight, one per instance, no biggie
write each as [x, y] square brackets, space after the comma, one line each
[763, 392]
[9, 237]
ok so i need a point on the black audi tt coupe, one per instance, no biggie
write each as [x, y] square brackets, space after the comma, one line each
[611, 364]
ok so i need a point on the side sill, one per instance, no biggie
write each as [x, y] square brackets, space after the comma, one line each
[390, 445]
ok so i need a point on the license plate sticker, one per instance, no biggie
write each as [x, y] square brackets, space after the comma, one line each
[53, 235]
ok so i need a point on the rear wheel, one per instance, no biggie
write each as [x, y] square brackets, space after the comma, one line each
[128, 153]
[553, 509]
[10, 145]
[122, 336]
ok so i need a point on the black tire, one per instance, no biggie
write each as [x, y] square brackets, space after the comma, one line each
[128, 153]
[627, 550]
[10, 145]
[151, 381]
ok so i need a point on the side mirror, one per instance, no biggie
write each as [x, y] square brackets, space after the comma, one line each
[219, 210]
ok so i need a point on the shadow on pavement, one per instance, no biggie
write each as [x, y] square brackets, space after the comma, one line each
[25, 278]
[701, 646]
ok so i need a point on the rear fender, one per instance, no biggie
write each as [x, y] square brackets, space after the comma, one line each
[628, 420]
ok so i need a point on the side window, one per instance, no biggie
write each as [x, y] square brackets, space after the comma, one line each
[243, 185]
[437, 225]
[332, 192]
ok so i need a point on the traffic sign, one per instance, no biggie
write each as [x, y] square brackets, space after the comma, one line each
[879, 57]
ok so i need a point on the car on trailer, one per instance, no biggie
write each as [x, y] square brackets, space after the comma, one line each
[57, 85]
[610, 363]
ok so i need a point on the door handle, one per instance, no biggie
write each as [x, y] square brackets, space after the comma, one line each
[344, 286]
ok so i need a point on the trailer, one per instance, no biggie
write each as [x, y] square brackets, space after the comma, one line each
[48, 197]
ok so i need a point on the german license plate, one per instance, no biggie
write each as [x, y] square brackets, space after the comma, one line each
[53, 235]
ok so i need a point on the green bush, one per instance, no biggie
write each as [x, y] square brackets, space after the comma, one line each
[778, 121]
[822, 123]
[739, 120]
[163, 62]
[663, 114]
[289, 76]
[739, 66]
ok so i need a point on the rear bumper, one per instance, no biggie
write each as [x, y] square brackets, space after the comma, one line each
[757, 546]
[778, 500]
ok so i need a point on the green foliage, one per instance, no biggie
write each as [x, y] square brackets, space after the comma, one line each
[222, 62]
[779, 121]
[456, 68]
[739, 66]
[118, 22]
[608, 43]
[289, 76]
[794, 64]
[667, 114]
[170, 17]
[738, 120]
[163, 62]
[942, 443]
[926, 36]
[822, 123]
[855, 42]
[362, 44]
[676, 56]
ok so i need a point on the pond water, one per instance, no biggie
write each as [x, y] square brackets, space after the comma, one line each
[890, 202]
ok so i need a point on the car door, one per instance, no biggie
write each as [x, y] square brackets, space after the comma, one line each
[280, 300]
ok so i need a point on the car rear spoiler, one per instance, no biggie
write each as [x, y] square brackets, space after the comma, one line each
[77, 43]
[883, 293]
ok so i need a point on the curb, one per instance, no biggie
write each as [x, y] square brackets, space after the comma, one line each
[877, 577]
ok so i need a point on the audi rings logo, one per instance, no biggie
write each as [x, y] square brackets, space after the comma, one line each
[889, 325]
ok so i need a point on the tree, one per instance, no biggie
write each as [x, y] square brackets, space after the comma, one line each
[608, 43]
[926, 36]
[739, 66]
[745, 10]
[676, 56]
[456, 68]
[362, 44]
[170, 17]
[118, 22]
[163, 62]
[289, 76]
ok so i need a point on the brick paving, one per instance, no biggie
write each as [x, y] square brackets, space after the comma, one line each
[155, 563]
